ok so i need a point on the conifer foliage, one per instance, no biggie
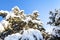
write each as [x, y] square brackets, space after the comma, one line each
[16, 25]
[55, 22]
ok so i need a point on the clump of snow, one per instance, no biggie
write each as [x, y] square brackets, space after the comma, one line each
[5, 23]
[15, 36]
[4, 11]
[30, 34]
[16, 7]
[1, 28]
[34, 33]
[27, 19]
[38, 22]
[56, 32]
[35, 12]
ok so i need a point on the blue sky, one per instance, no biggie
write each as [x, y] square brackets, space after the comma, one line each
[43, 6]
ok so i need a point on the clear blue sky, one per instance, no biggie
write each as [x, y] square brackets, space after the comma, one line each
[43, 6]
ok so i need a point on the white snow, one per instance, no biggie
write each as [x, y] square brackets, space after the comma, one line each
[31, 34]
[5, 23]
[57, 16]
[4, 11]
[55, 31]
[35, 12]
[38, 22]
[1, 28]
[56, 28]
[13, 37]
[27, 19]
[15, 7]
[27, 34]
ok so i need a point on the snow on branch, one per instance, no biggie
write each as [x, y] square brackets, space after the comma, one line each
[54, 17]
[16, 25]
[55, 21]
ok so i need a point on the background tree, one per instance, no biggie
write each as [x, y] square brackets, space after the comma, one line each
[55, 22]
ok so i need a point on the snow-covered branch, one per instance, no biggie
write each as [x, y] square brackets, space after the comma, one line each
[16, 25]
